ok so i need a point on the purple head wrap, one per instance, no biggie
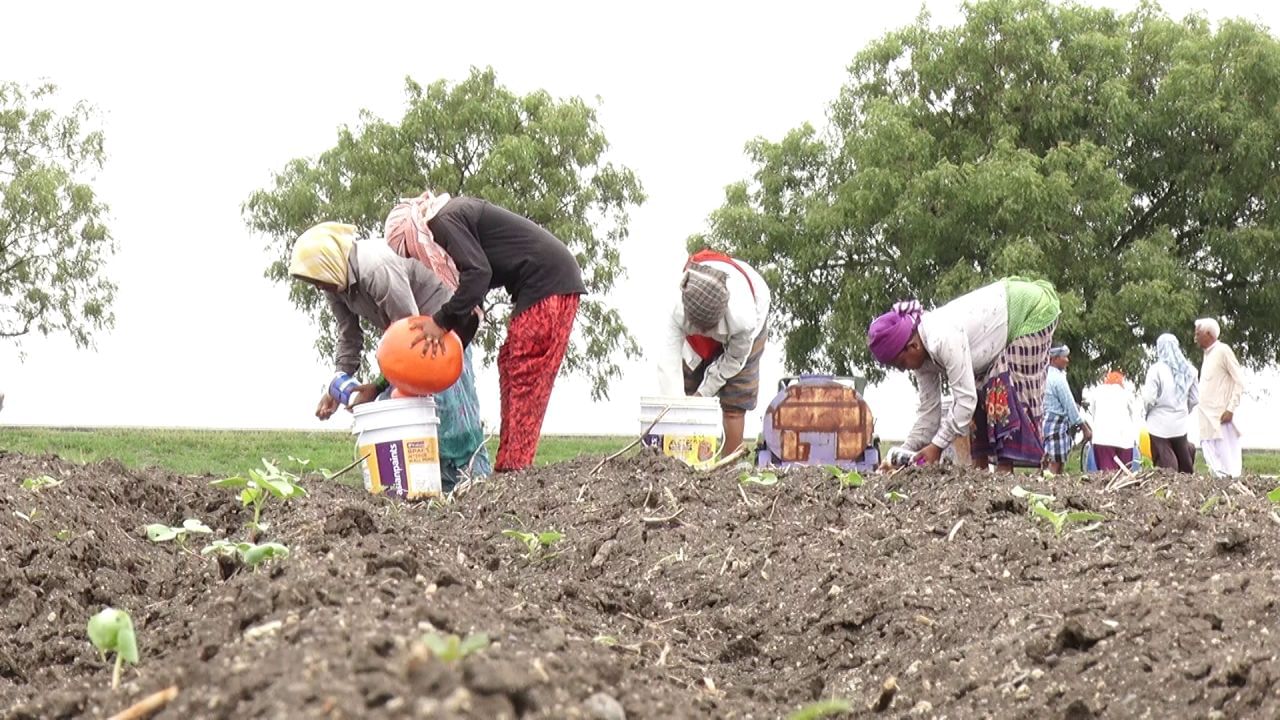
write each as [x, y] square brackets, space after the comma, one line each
[889, 333]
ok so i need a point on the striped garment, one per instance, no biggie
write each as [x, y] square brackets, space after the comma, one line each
[741, 391]
[1009, 417]
[1057, 438]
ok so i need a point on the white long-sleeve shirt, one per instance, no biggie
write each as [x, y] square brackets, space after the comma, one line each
[1167, 411]
[1221, 389]
[963, 339]
[1115, 414]
[743, 320]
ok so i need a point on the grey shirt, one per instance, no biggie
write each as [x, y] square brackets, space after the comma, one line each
[382, 288]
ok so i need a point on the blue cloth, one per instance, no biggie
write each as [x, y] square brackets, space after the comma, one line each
[1058, 401]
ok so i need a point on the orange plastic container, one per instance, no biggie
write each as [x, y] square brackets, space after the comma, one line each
[409, 370]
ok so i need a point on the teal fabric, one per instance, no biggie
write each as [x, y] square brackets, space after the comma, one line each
[461, 433]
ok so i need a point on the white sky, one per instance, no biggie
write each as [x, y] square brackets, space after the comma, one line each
[201, 102]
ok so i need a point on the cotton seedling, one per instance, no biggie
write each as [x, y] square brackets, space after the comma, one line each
[452, 649]
[1212, 502]
[250, 554]
[1274, 495]
[31, 517]
[534, 543]
[1038, 505]
[262, 485]
[40, 482]
[851, 478]
[822, 709]
[765, 478]
[159, 532]
[895, 496]
[111, 630]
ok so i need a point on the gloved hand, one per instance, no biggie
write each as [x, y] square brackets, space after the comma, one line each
[900, 456]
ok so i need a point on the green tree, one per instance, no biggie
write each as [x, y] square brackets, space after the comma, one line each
[533, 154]
[53, 240]
[1129, 158]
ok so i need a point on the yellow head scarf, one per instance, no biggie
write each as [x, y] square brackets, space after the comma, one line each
[321, 253]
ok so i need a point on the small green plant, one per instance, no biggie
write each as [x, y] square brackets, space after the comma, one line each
[262, 485]
[111, 630]
[605, 640]
[452, 649]
[1038, 505]
[1212, 502]
[64, 535]
[851, 478]
[1146, 464]
[535, 543]
[822, 709]
[31, 517]
[765, 478]
[895, 496]
[1163, 493]
[40, 482]
[250, 554]
[1274, 495]
[159, 532]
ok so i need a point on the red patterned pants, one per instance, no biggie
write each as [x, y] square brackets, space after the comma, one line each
[527, 367]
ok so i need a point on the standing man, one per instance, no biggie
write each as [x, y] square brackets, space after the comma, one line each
[1221, 388]
[716, 337]
[1061, 417]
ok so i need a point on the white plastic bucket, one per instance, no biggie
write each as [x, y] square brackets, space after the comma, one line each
[398, 441]
[689, 429]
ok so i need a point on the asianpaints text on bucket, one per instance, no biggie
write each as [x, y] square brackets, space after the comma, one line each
[398, 440]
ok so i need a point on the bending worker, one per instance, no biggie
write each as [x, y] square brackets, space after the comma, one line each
[716, 336]
[992, 347]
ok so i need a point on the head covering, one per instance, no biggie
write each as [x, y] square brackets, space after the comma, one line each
[889, 333]
[1115, 377]
[1210, 326]
[1170, 353]
[705, 293]
[408, 234]
[321, 253]
[1059, 351]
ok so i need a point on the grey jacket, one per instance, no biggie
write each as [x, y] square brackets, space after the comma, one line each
[383, 288]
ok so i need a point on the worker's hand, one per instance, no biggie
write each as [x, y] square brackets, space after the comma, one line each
[430, 335]
[363, 394]
[929, 455]
[1088, 433]
[327, 407]
[1227, 417]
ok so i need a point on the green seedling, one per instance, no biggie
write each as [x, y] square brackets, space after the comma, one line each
[852, 478]
[31, 517]
[765, 478]
[534, 543]
[159, 532]
[605, 640]
[250, 554]
[40, 482]
[452, 649]
[1274, 495]
[262, 485]
[1038, 506]
[1163, 493]
[822, 709]
[895, 496]
[64, 535]
[1212, 503]
[111, 630]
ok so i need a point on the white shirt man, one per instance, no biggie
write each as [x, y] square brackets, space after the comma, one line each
[1221, 389]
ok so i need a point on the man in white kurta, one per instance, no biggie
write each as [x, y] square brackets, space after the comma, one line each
[1221, 389]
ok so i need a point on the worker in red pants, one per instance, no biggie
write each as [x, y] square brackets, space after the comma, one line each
[494, 247]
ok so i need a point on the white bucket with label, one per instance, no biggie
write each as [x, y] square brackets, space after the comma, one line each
[398, 440]
[689, 429]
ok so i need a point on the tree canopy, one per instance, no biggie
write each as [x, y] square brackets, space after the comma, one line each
[53, 237]
[1129, 158]
[534, 154]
